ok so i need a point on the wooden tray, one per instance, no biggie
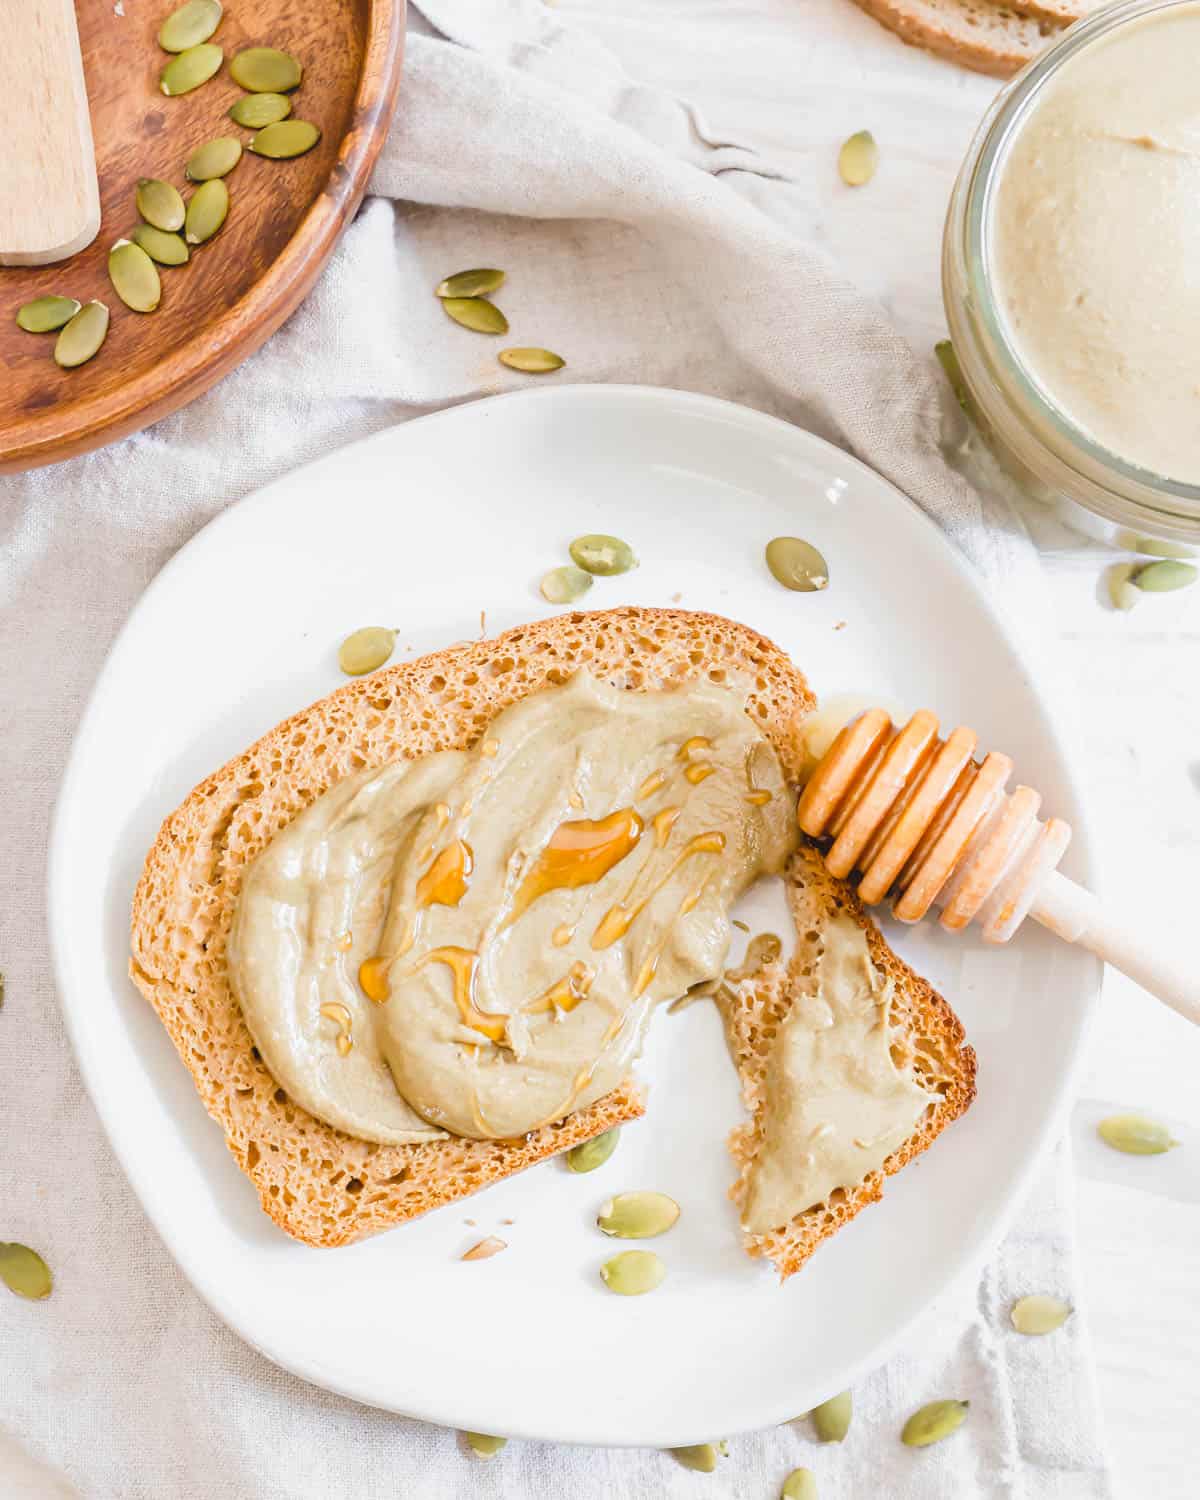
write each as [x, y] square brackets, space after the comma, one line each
[284, 217]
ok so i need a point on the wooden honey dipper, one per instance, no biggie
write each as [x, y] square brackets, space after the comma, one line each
[918, 816]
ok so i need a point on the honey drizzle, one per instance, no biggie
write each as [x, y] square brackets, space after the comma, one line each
[334, 1011]
[618, 919]
[562, 935]
[653, 783]
[566, 993]
[662, 823]
[699, 772]
[759, 797]
[578, 853]
[463, 964]
[444, 883]
[689, 747]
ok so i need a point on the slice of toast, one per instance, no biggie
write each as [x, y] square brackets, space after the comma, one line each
[984, 35]
[320, 1185]
[924, 1025]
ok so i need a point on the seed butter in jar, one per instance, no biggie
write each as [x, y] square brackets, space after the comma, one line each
[1071, 273]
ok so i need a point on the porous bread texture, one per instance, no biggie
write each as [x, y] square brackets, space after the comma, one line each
[987, 37]
[320, 1185]
[927, 1032]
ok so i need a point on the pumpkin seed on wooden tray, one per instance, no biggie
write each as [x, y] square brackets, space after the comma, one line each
[253, 111]
[477, 283]
[475, 313]
[216, 158]
[206, 211]
[188, 70]
[166, 249]
[46, 314]
[284, 139]
[160, 204]
[190, 25]
[265, 70]
[82, 337]
[134, 277]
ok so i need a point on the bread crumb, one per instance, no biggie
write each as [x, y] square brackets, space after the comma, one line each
[485, 1249]
[675, 598]
[841, 625]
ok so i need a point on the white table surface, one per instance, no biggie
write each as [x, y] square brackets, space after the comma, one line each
[794, 78]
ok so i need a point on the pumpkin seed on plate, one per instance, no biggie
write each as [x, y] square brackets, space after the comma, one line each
[483, 1445]
[477, 283]
[1037, 1315]
[603, 555]
[215, 158]
[933, 1423]
[858, 158]
[702, 1457]
[594, 1153]
[24, 1272]
[800, 1484]
[1136, 1135]
[633, 1273]
[797, 564]
[1164, 577]
[566, 584]
[134, 277]
[366, 649]
[637, 1216]
[190, 25]
[831, 1420]
[475, 313]
[253, 111]
[531, 361]
[1121, 590]
[188, 70]
[948, 359]
[160, 204]
[166, 249]
[46, 314]
[206, 211]
[265, 70]
[284, 139]
[82, 336]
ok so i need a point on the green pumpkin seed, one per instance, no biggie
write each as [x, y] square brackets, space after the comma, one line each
[475, 313]
[800, 1484]
[1151, 546]
[160, 204]
[531, 361]
[46, 314]
[285, 139]
[214, 159]
[483, 1445]
[831, 1420]
[24, 1272]
[265, 70]
[858, 159]
[633, 1273]
[948, 359]
[637, 1216]
[564, 585]
[188, 70]
[797, 564]
[1164, 577]
[366, 649]
[1136, 1135]
[702, 1457]
[166, 249]
[190, 25]
[933, 1423]
[605, 556]
[134, 277]
[82, 336]
[206, 211]
[256, 110]
[594, 1153]
[1035, 1315]
[476, 283]
[1121, 590]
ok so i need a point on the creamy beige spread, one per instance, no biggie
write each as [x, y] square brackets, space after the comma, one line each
[474, 941]
[837, 1104]
[1094, 242]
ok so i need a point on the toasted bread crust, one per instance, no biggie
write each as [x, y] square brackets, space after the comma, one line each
[984, 35]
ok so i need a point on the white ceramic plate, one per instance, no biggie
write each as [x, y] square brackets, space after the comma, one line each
[424, 527]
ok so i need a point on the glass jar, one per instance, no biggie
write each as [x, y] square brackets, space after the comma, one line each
[1052, 459]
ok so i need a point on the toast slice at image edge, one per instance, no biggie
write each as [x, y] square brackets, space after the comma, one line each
[984, 36]
[922, 1024]
[320, 1185]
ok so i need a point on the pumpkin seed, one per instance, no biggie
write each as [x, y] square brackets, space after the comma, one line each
[797, 564]
[702, 1457]
[1164, 577]
[1136, 1135]
[858, 158]
[594, 1153]
[633, 1273]
[475, 313]
[531, 361]
[206, 211]
[831, 1420]
[160, 204]
[190, 25]
[948, 359]
[1036, 1315]
[800, 1484]
[566, 584]
[486, 1248]
[188, 70]
[134, 277]
[265, 70]
[284, 139]
[483, 1445]
[476, 283]
[1151, 546]
[637, 1216]
[933, 1423]
[24, 1272]
[605, 556]
[1121, 590]
[366, 649]
[256, 110]
[215, 158]
[82, 336]
[46, 314]
[166, 249]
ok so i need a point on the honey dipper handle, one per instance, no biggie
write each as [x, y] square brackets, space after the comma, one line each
[1077, 916]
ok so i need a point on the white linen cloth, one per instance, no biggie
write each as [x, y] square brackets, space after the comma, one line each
[643, 250]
